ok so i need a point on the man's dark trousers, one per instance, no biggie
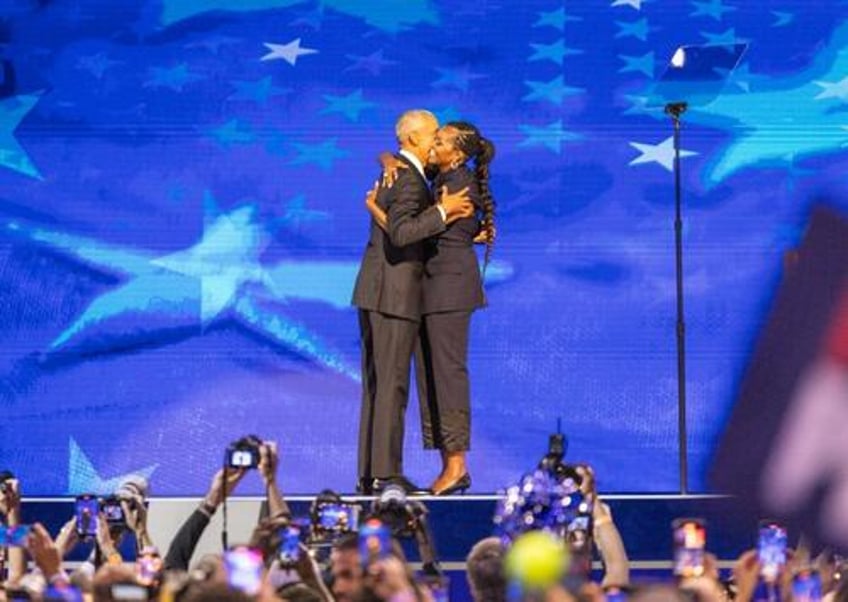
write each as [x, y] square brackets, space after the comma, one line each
[387, 345]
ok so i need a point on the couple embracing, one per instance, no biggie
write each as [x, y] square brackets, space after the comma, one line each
[418, 284]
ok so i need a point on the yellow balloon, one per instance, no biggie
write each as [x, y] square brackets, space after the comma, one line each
[536, 560]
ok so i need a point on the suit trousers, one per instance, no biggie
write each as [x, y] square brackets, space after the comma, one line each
[387, 346]
[441, 375]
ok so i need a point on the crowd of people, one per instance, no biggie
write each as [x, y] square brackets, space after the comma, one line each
[547, 530]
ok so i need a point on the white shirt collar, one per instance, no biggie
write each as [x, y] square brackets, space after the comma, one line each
[414, 160]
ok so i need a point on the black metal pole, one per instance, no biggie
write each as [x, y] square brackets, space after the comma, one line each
[675, 110]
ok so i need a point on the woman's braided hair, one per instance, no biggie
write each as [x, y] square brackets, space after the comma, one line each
[473, 145]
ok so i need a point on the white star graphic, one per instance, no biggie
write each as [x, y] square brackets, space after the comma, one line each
[662, 153]
[833, 90]
[220, 277]
[84, 478]
[286, 52]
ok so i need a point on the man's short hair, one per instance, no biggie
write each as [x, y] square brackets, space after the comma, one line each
[409, 121]
[485, 570]
[348, 542]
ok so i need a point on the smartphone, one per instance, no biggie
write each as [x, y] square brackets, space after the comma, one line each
[690, 538]
[615, 594]
[148, 567]
[14, 537]
[579, 533]
[62, 594]
[771, 549]
[337, 518]
[807, 586]
[375, 542]
[290, 540]
[86, 508]
[113, 511]
[244, 568]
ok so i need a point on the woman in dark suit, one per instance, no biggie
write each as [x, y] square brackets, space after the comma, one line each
[452, 289]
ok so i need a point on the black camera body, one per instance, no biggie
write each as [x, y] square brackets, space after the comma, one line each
[243, 453]
[401, 515]
[553, 462]
[331, 517]
[112, 509]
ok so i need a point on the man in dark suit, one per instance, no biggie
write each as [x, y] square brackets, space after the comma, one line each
[388, 295]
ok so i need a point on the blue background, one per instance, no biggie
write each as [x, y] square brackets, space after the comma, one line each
[182, 217]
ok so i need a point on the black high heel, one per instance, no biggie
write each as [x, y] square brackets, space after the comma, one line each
[460, 485]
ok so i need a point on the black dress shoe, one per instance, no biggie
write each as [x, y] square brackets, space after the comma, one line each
[364, 486]
[460, 485]
[378, 485]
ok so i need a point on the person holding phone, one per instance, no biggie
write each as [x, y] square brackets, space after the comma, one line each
[452, 289]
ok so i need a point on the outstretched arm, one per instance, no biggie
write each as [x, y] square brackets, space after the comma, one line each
[182, 546]
[269, 460]
[406, 225]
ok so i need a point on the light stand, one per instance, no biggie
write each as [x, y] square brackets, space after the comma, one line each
[698, 73]
[675, 110]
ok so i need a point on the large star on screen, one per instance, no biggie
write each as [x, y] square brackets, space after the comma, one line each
[288, 52]
[12, 155]
[662, 153]
[221, 277]
[763, 121]
[83, 477]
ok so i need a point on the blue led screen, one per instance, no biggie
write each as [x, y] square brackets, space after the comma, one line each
[182, 216]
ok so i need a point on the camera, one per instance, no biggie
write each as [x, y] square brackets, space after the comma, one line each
[552, 461]
[243, 453]
[113, 511]
[331, 517]
[396, 512]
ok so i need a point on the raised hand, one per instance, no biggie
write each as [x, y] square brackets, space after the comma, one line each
[746, 574]
[215, 495]
[68, 537]
[44, 551]
[135, 513]
[391, 165]
[104, 538]
[457, 205]
[269, 460]
[388, 578]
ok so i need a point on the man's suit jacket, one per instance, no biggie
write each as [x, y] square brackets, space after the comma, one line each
[389, 279]
[452, 279]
